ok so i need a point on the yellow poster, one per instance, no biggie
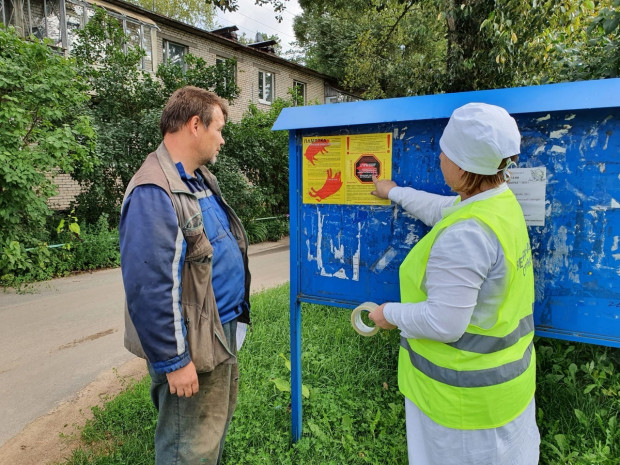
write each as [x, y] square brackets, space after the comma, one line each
[339, 169]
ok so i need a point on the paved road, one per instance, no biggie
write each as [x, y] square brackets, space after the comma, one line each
[64, 333]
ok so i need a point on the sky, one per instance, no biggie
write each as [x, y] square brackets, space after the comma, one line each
[250, 19]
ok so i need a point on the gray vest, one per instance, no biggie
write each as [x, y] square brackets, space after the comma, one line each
[205, 335]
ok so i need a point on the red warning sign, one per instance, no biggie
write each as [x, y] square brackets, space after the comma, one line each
[366, 167]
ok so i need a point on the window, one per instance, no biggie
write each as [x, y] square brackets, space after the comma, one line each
[12, 13]
[299, 93]
[228, 67]
[173, 53]
[60, 20]
[266, 87]
[139, 36]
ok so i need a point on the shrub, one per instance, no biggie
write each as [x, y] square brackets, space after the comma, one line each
[42, 113]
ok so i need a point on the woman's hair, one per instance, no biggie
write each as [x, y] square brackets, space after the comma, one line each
[471, 182]
[187, 102]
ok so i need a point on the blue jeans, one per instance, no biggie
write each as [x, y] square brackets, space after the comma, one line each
[192, 430]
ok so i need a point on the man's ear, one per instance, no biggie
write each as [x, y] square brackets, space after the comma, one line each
[193, 124]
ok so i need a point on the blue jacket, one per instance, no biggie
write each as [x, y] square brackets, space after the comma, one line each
[169, 289]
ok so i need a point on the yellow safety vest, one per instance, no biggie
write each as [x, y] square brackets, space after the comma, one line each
[487, 378]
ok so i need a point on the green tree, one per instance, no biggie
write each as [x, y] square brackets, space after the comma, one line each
[389, 48]
[197, 13]
[124, 110]
[588, 46]
[126, 107]
[399, 51]
[231, 5]
[44, 129]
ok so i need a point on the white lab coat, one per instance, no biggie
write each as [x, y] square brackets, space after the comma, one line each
[465, 271]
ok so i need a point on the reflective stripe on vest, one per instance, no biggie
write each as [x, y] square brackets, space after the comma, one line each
[482, 344]
[469, 379]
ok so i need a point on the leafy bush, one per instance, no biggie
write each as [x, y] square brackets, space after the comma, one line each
[261, 155]
[42, 108]
[79, 248]
[126, 108]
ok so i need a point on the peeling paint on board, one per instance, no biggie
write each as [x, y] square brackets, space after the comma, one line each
[354, 252]
[559, 133]
[384, 260]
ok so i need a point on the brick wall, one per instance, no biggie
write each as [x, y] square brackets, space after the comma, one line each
[68, 189]
[248, 66]
[249, 63]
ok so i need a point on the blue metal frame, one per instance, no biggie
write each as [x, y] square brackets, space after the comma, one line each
[295, 290]
[424, 114]
[603, 93]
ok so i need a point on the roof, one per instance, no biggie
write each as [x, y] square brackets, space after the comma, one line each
[604, 93]
[230, 43]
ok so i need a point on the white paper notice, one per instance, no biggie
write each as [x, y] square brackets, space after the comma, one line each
[529, 187]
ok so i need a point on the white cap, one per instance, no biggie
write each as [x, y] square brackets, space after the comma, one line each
[479, 136]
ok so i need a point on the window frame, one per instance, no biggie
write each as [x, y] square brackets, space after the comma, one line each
[272, 86]
[296, 84]
[224, 60]
[165, 42]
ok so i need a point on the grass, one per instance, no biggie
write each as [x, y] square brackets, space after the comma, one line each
[354, 413]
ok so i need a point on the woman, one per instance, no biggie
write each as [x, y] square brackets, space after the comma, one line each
[467, 365]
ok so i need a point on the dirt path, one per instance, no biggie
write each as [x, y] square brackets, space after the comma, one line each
[52, 438]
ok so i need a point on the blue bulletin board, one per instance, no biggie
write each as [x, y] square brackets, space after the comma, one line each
[343, 254]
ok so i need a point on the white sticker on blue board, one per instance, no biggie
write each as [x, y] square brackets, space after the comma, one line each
[529, 187]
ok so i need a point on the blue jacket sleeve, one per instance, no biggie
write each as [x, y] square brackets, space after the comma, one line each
[152, 255]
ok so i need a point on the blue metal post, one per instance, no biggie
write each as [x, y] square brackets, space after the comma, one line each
[295, 303]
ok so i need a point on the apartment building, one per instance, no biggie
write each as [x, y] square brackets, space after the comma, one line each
[261, 75]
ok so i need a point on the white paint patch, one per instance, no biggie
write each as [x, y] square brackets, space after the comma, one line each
[356, 256]
[614, 246]
[570, 117]
[337, 251]
[558, 256]
[573, 274]
[541, 148]
[576, 191]
[616, 256]
[310, 256]
[558, 149]
[319, 240]
[395, 133]
[404, 131]
[411, 238]
[385, 260]
[340, 274]
[559, 133]
[606, 142]
[601, 167]
[544, 118]
[614, 203]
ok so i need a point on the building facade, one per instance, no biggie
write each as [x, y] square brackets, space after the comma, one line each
[260, 75]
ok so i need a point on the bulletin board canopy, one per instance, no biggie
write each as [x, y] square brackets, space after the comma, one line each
[602, 93]
[345, 250]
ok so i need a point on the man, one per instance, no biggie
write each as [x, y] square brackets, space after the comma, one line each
[185, 271]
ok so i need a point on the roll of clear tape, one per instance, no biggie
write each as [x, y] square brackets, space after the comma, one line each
[356, 319]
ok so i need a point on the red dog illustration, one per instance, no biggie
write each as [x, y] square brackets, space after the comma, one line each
[332, 185]
[315, 148]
